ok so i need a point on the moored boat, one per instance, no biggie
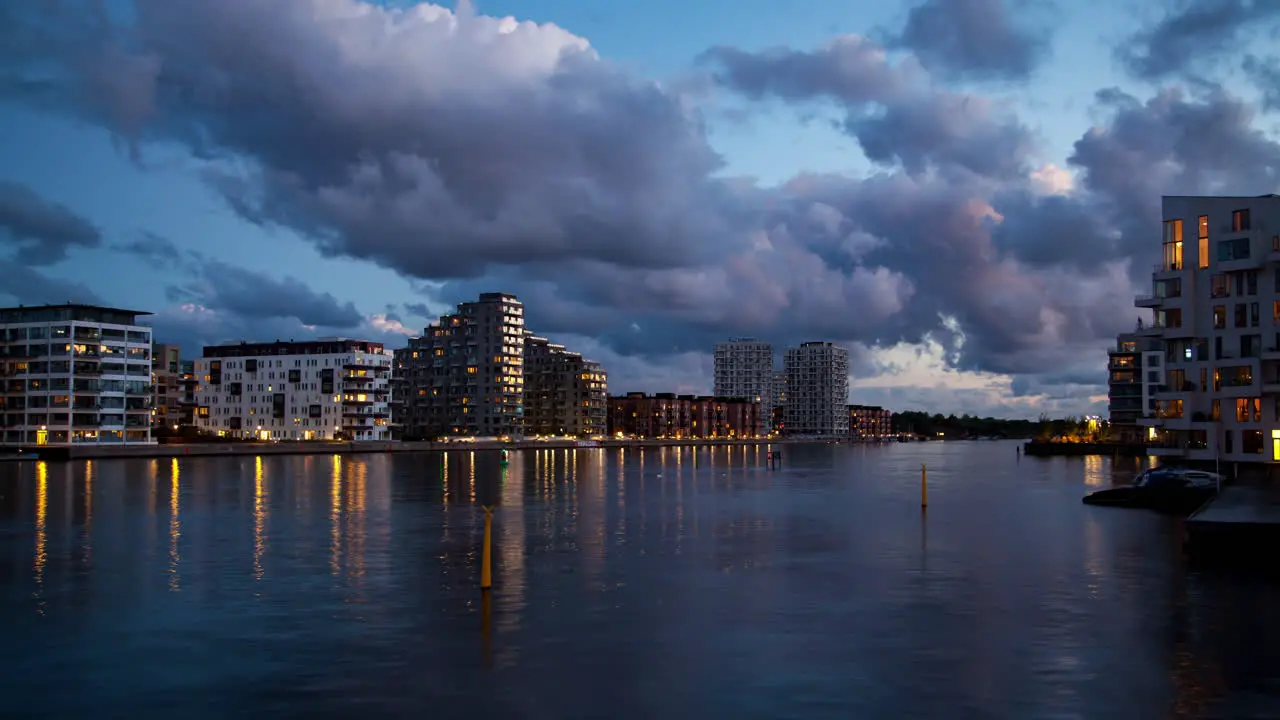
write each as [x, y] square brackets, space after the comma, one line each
[1175, 491]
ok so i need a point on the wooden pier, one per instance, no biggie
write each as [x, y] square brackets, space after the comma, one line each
[1241, 524]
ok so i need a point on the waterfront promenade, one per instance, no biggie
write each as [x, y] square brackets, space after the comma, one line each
[198, 449]
[628, 583]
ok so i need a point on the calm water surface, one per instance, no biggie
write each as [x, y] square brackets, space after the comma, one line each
[657, 584]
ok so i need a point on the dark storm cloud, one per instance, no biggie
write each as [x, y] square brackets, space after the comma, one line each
[897, 115]
[1193, 33]
[973, 40]
[247, 294]
[41, 231]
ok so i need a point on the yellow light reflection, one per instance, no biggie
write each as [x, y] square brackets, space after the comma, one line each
[471, 472]
[175, 526]
[444, 478]
[335, 516]
[259, 518]
[1093, 475]
[88, 508]
[42, 511]
[354, 517]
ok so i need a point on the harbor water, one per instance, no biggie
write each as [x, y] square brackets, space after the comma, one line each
[664, 583]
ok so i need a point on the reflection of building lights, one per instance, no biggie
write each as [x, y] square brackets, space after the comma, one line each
[259, 518]
[175, 527]
[42, 510]
[335, 515]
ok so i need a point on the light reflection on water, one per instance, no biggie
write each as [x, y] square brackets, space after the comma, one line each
[665, 583]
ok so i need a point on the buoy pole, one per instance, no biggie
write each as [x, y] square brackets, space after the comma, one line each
[924, 486]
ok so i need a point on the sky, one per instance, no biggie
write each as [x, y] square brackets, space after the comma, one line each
[964, 193]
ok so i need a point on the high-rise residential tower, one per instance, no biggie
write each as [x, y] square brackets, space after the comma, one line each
[817, 390]
[744, 369]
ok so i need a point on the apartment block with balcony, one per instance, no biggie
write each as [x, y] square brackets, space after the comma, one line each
[667, 415]
[778, 394]
[1216, 316]
[817, 390]
[744, 369]
[564, 394]
[166, 379]
[465, 374]
[870, 422]
[187, 385]
[1135, 373]
[326, 389]
[77, 374]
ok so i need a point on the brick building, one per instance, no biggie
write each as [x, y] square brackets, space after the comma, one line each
[869, 422]
[667, 415]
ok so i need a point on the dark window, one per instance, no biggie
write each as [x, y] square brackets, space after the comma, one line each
[251, 365]
[313, 411]
[295, 376]
[1237, 249]
[235, 388]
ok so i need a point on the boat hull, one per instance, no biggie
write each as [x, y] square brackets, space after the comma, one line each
[1182, 501]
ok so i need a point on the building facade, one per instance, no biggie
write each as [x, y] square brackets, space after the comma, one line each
[465, 375]
[327, 389]
[564, 394]
[744, 369]
[187, 385]
[1135, 373]
[77, 374]
[870, 422]
[1216, 315]
[817, 390]
[166, 377]
[667, 415]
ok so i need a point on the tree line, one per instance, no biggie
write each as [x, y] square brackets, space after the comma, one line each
[1076, 429]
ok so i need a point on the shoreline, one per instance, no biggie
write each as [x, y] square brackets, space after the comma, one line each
[176, 450]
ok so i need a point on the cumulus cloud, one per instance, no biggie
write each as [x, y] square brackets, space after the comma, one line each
[472, 154]
[973, 39]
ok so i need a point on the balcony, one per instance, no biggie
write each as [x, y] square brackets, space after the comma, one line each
[1150, 330]
[1161, 271]
[1147, 301]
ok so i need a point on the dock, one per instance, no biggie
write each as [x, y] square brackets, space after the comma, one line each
[1239, 524]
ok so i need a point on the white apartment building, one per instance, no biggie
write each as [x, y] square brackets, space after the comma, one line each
[817, 390]
[1216, 313]
[326, 389]
[73, 375]
[744, 369]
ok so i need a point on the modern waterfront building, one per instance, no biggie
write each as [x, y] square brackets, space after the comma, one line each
[166, 377]
[667, 415]
[76, 374]
[326, 389]
[1135, 373]
[817, 390]
[1215, 302]
[564, 394]
[870, 422]
[744, 369]
[465, 374]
